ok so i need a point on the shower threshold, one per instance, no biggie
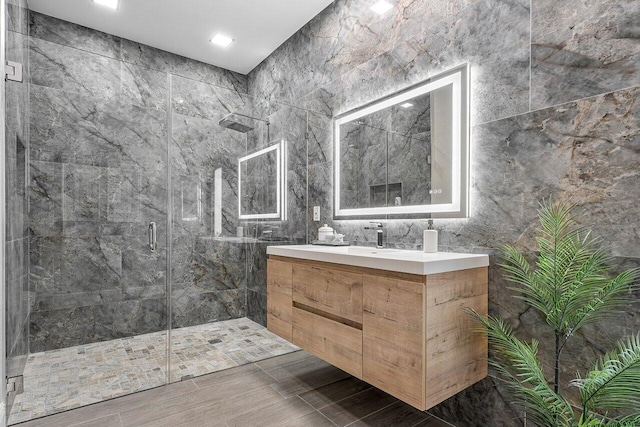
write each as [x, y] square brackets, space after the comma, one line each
[59, 380]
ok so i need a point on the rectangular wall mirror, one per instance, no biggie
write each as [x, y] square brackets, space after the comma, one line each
[406, 155]
[261, 181]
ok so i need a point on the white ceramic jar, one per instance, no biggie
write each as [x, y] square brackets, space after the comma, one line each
[323, 232]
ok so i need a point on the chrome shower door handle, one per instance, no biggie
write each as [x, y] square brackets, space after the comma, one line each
[153, 237]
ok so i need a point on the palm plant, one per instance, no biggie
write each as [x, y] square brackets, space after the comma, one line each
[571, 285]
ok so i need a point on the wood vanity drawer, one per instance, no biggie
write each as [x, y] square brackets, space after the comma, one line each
[334, 342]
[279, 293]
[336, 292]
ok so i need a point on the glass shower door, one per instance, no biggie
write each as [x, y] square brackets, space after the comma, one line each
[95, 164]
[208, 285]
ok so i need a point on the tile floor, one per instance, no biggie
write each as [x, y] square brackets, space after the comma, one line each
[64, 379]
[293, 390]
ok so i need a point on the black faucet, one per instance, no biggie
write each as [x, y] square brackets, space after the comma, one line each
[380, 232]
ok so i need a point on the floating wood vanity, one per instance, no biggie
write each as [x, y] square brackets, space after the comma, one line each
[402, 332]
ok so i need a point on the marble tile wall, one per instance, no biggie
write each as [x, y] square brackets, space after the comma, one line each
[103, 110]
[554, 113]
[16, 169]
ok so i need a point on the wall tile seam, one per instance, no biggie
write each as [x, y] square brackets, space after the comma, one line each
[123, 61]
[530, 52]
[558, 105]
[116, 98]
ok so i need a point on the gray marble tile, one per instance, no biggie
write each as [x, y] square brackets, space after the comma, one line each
[343, 36]
[15, 184]
[257, 307]
[156, 59]
[320, 141]
[290, 124]
[72, 70]
[198, 148]
[219, 265]
[194, 307]
[141, 268]
[581, 152]
[17, 18]
[182, 261]
[68, 34]
[45, 199]
[319, 194]
[80, 129]
[582, 48]
[144, 87]
[16, 280]
[199, 99]
[485, 403]
[81, 193]
[53, 329]
[296, 224]
[491, 36]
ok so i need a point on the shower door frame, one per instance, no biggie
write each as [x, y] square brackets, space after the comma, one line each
[3, 334]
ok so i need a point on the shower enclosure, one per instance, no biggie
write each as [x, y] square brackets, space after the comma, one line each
[123, 267]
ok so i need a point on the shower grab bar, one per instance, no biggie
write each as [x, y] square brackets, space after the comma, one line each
[153, 237]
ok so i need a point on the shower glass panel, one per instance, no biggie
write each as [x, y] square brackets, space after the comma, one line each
[208, 259]
[87, 293]
[218, 293]
[128, 266]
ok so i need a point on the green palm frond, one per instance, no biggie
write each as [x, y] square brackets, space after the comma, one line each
[614, 383]
[518, 363]
[604, 299]
[570, 284]
[627, 421]
[517, 270]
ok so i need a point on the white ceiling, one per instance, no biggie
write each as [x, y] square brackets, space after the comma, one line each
[185, 27]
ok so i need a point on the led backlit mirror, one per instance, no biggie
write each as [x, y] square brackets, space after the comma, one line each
[261, 181]
[406, 155]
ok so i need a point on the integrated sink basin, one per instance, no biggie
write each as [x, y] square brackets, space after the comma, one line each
[404, 261]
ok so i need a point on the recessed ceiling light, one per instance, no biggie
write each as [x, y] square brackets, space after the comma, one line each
[221, 40]
[113, 4]
[406, 105]
[381, 7]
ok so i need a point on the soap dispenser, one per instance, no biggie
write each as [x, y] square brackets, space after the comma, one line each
[430, 239]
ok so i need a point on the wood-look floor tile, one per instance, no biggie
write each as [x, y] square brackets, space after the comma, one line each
[283, 360]
[315, 378]
[314, 419]
[296, 368]
[433, 421]
[357, 406]
[274, 415]
[397, 415]
[209, 404]
[331, 393]
[236, 380]
[108, 421]
[110, 407]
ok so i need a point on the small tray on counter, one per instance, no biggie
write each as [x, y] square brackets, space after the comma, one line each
[323, 243]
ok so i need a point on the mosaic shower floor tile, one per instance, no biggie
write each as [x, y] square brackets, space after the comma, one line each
[59, 380]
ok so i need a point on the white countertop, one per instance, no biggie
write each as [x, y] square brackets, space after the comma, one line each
[415, 262]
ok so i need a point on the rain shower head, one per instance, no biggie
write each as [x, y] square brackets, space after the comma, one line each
[238, 122]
